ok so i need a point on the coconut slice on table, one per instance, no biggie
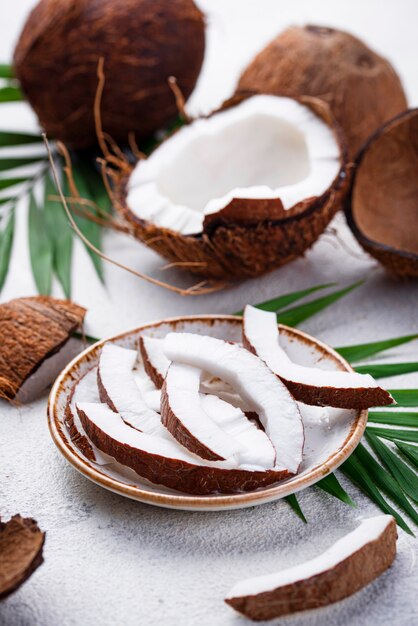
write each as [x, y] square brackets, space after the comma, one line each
[242, 191]
[310, 385]
[350, 564]
[164, 461]
[184, 412]
[265, 394]
[155, 362]
[382, 206]
[118, 388]
[36, 344]
[21, 545]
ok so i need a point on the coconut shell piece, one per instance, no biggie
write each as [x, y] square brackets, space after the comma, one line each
[365, 554]
[33, 330]
[252, 239]
[361, 87]
[142, 44]
[21, 544]
[382, 206]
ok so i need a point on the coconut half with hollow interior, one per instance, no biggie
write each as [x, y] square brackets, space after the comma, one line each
[37, 342]
[382, 205]
[240, 192]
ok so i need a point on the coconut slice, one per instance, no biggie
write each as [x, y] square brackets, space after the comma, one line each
[21, 544]
[155, 362]
[164, 461]
[350, 564]
[382, 207]
[219, 176]
[36, 343]
[310, 385]
[118, 388]
[251, 378]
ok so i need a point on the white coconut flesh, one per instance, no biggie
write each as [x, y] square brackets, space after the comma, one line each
[254, 381]
[152, 350]
[265, 147]
[214, 429]
[262, 333]
[368, 531]
[118, 381]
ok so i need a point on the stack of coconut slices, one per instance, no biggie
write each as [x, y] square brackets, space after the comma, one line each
[203, 415]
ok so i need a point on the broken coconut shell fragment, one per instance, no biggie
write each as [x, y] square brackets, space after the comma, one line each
[310, 385]
[21, 544]
[361, 87]
[212, 198]
[350, 564]
[142, 43]
[382, 206]
[36, 343]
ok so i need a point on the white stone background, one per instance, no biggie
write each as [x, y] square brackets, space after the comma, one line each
[111, 561]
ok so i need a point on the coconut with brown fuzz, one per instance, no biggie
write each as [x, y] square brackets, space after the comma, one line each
[164, 461]
[311, 385]
[241, 192]
[142, 44]
[361, 87]
[37, 343]
[350, 564]
[21, 544]
[382, 206]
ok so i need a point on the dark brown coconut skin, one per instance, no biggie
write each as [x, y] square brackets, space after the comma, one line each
[382, 204]
[180, 475]
[250, 237]
[32, 330]
[352, 398]
[142, 43]
[349, 576]
[361, 87]
[153, 374]
[21, 544]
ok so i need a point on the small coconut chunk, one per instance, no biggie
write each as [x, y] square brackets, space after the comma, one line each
[155, 362]
[234, 154]
[251, 378]
[350, 564]
[35, 333]
[165, 462]
[118, 388]
[21, 544]
[310, 385]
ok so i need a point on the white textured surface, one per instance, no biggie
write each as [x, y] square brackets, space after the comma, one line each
[112, 561]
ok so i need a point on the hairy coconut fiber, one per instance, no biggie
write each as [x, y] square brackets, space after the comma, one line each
[382, 207]
[142, 43]
[32, 329]
[361, 87]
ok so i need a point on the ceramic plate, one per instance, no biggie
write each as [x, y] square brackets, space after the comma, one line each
[330, 434]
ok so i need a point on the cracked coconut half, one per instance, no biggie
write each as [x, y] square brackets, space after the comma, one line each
[242, 191]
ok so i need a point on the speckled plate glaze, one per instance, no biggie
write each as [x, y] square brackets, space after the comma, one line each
[331, 435]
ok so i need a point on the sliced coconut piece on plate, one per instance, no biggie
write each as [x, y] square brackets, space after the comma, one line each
[350, 564]
[118, 388]
[310, 385]
[251, 378]
[155, 362]
[164, 461]
[183, 415]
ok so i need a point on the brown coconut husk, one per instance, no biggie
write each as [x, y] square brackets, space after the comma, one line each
[382, 206]
[21, 544]
[361, 87]
[33, 329]
[248, 237]
[142, 42]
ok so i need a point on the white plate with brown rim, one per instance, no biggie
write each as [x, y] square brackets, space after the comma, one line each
[331, 435]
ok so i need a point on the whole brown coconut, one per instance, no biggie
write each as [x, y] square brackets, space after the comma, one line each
[142, 43]
[361, 87]
[382, 206]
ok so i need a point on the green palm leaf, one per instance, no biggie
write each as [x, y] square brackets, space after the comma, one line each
[5, 183]
[411, 452]
[405, 397]
[363, 350]
[286, 299]
[395, 433]
[10, 164]
[6, 244]
[10, 94]
[394, 418]
[8, 139]
[294, 504]
[385, 370]
[6, 71]
[331, 485]
[40, 248]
